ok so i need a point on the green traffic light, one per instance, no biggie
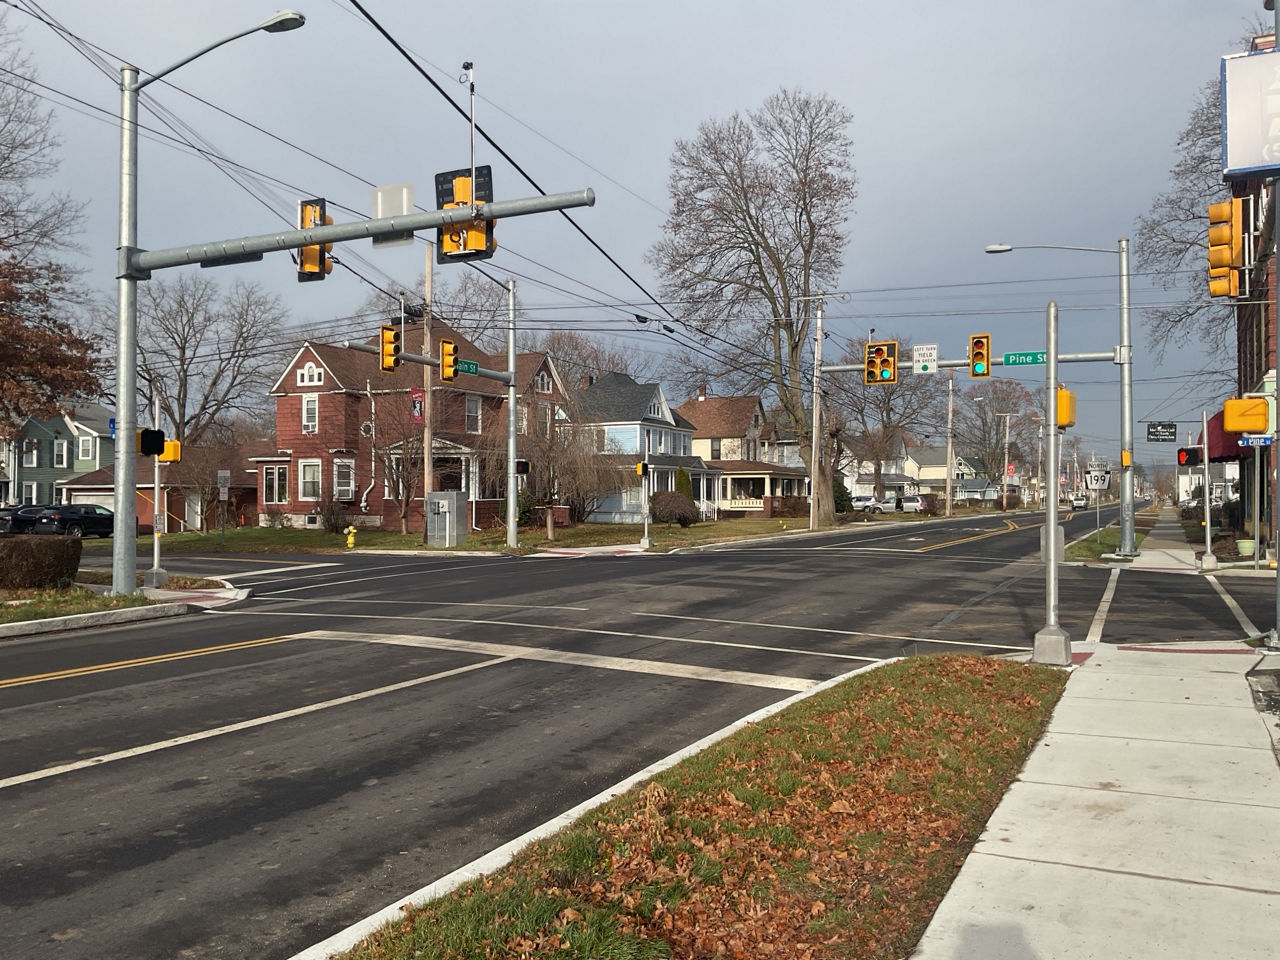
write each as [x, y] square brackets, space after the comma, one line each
[979, 368]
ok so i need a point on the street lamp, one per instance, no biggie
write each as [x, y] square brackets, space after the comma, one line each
[124, 533]
[1124, 357]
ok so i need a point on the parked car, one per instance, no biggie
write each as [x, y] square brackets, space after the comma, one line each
[77, 520]
[908, 504]
[863, 501]
[20, 518]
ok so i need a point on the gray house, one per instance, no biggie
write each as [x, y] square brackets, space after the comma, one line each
[634, 423]
[46, 453]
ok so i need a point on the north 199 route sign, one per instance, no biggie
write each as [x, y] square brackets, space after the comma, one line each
[1024, 359]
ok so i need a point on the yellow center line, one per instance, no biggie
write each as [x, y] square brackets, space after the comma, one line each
[139, 662]
[1009, 525]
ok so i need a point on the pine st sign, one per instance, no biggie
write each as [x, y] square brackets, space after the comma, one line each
[1025, 358]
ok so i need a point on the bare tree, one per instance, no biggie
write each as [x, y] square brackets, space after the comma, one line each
[207, 356]
[756, 231]
[979, 423]
[397, 444]
[580, 358]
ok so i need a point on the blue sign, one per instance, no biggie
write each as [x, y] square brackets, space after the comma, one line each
[111, 425]
[1255, 441]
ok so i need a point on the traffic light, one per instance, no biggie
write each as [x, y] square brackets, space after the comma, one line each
[1226, 247]
[151, 443]
[313, 259]
[1246, 415]
[642, 469]
[1188, 456]
[470, 239]
[1066, 408]
[881, 362]
[980, 355]
[448, 359]
[389, 354]
[172, 452]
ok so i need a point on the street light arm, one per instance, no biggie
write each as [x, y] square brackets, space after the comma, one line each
[284, 20]
[1007, 247]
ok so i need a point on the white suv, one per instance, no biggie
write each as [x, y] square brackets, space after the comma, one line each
[1079, 501]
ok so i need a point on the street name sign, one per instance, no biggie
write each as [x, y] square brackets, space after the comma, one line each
[924, 358]
[1024, 358]
[468, 366]
[1162, 432]
[1255, 441]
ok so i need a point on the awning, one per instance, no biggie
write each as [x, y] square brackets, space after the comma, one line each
[1222, 445]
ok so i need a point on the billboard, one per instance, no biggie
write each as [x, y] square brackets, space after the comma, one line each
[1251, 115]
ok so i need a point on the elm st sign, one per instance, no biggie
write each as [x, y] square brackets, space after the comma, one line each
[1162, 432]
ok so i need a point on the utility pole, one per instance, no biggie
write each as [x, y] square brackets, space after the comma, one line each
[816, 448]
[951, 383]
[1052, 644]
[428, 464]
[511, 415]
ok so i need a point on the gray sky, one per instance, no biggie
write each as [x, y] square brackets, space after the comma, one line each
[974, 123]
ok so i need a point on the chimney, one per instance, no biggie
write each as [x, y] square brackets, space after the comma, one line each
[588, 381]
[702, 393]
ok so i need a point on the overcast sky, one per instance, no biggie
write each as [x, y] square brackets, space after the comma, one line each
[974, 123]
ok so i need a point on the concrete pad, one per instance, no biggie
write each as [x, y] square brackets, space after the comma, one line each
[1222, 690]
[1005, 909]
[1238, 724]
[1136, 833]
[1229, 774]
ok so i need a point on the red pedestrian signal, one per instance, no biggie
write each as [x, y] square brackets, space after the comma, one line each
[1188, 456]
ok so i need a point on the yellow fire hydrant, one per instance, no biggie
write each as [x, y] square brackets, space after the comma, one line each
[351, 536]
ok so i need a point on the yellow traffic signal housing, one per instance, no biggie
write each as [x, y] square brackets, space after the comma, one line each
[1226, 247]
[1066, 408]
[980, 355]
[448, 359]
[389, 347]
[172, 452]
[642, 469]
[470, 239]
[1249, 415]
[313, 259]
[881, 362]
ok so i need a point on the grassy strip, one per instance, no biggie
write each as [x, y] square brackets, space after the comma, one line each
[22, 605]
[830, 830]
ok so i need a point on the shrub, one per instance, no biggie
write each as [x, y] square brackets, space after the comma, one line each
[841, 496]
[792, 507]
[673, 507]
[525, 502]
[683, 482]
[930, 504]
[37, 562]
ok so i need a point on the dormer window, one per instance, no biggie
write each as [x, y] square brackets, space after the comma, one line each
[310, 375]
[655, 409]
[542, 382]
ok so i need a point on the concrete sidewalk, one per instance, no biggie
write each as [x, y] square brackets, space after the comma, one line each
[1165, 548]
[1144, 824]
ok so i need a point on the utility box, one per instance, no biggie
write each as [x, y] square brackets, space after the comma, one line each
[446, 518]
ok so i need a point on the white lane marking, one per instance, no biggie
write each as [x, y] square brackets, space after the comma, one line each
[843, 633]
[242, 725]
[628, 664]
[1241, 617]
[259, 573]
[344, 940]
[442, 603]
[557, 628]
[1104, 607]
[416, 571]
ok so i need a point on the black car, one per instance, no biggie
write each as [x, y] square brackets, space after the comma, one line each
[21, 518]
[77, 520]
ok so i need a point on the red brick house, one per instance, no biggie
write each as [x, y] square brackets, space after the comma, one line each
[350, 434]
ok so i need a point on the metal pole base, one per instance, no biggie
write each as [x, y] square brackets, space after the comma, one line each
[1052, 647]
[1270, 644]
[1208, 562]
[155, 577]
[645, 543]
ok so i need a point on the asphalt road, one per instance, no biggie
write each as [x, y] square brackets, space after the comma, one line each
[244, 783]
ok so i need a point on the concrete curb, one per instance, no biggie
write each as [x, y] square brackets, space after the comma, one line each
[26, 628]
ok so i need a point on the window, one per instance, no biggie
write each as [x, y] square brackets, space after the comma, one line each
[61, 449]
[310, 412]
[542, 382]
[275, 483]
[309, 480]
[473, 413]
[310, 374]
[544, 419]
[648, 440]
[344, 479]
[393, 478]
[662, 441]
[86, 449]
[522, 420]
[602, 440]
[31, 453]
[715, 448]
[655, 408]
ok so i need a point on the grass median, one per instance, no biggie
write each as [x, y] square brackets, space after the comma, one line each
[830, 830]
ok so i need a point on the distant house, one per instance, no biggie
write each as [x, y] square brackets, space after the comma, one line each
[933, 470]
[46, 453]
[898, 474]
[635, 423]
[351, 434]
[732, 434]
